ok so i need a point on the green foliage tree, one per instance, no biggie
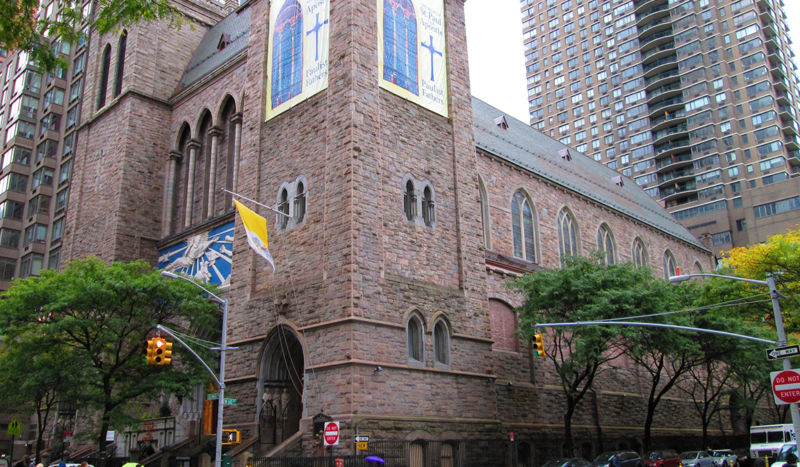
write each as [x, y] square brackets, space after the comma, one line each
[35, 376]
[584, 289]
[22, 29]
[102, 315]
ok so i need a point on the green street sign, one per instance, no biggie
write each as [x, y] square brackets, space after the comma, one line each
[229, 401]
[14, 428]
[212, 397]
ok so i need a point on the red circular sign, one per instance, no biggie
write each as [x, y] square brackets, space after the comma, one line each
[786, 386]
[331, 433]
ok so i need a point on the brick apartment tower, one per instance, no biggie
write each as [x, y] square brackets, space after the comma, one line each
[696, 101]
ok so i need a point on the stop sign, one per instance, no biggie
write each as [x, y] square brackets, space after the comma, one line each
[786, 386]
[331, 434]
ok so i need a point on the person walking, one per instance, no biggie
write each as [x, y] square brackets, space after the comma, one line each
[791, 460]
[615, 461]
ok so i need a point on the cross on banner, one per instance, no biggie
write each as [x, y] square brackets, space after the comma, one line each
[432, 50]
[315, 31]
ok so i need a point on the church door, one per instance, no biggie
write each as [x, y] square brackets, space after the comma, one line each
[281, 386]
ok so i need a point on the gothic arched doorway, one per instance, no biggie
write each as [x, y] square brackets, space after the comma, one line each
[281, 386]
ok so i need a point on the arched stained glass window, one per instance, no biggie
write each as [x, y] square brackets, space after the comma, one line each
[410, 201]
[640, 254]
[605, 243]
[414, 339]
[121, 49]
[428, 207]
[283, 207]
[400, 44]
[567, 234]
[523, 228]
[103, 87]
[670, 267]
[287, 54]
[441, 343]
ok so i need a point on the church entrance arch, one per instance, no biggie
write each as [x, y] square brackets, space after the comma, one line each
[281, 383]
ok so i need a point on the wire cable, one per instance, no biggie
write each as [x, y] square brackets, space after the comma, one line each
[736, 302]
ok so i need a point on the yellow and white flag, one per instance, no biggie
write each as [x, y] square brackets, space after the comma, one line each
[256, 228]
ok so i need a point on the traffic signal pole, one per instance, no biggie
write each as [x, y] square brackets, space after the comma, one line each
[223, 347]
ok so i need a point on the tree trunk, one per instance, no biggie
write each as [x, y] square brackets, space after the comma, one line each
[568, 426]
[103, 444]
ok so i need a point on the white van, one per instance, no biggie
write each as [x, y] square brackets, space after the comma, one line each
[769, 440]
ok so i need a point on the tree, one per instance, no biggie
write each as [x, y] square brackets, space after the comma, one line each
[21, 28]
[778, 256]
[584, 289]
[102, 314]
[666, 355]
[36, 376]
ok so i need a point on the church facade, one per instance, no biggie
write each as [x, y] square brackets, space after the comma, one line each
[404, 205]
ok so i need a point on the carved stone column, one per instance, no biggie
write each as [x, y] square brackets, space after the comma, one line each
[237, 148]
[193, 146]
[214, 133]
[169, 190]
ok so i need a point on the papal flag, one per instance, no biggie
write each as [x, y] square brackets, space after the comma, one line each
[256, 228]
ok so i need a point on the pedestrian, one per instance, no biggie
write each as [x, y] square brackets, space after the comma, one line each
[62, 463]
[616, 461]
[759, 462]
[576, 452]
[791, 460]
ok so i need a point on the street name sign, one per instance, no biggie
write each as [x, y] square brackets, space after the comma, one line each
[362, 439]
[227, 401]
[786, 386]
[212, 397]
[331, 434]
[783, 352]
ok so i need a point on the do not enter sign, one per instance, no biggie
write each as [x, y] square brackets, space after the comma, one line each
[786, 386]
[331, 434]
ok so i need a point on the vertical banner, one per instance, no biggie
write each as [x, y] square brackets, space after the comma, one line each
[297, 57]
[411, 51]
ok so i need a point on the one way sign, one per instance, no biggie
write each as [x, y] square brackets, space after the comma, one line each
[783, 352]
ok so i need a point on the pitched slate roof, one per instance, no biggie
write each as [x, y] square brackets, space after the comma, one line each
[207, 57]
[531, 150]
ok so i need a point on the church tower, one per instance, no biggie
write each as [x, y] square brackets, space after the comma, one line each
[357, 123]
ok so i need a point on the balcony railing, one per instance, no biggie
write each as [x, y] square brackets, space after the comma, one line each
[654, 23]
[670, 131]
[672, 145]
[660, 48]
[679, 189]
[652, 10]
[658, 91]
[659, 62]
[655, 36]
[677, 114]
[675, 174]
[662, 75]
[666, 102]
[788, 109]
[673, 160]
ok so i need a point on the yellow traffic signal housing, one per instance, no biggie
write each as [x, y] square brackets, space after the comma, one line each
[231, 437]
[162, 351]
[538, 345]
[150, 357]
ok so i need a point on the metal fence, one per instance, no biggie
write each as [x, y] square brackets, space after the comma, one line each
[349, 461]
[106, 462]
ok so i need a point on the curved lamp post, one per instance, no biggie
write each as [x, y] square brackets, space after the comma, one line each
[222, 348]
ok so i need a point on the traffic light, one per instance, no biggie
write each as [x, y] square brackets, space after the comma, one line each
[231, 437]
[150, 357]
[538, 345]
[163, 351]
[159, 351]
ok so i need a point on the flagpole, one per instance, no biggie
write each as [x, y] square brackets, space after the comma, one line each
[256, 202]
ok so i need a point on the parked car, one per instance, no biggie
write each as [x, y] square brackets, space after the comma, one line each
[627, 459]
[665, 458]
[697, 459]
[568, 462]
[724, 457]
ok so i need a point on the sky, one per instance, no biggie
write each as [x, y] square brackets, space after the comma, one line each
[496, 58]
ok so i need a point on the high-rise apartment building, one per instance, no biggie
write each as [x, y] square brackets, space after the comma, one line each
[39, 114]
[695, 100]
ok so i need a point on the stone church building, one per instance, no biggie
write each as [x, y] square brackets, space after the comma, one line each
[406, 207]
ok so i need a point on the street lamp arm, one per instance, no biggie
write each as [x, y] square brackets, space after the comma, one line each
[172, 275]
[162, 328]
[654, 325]
[677, 279]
